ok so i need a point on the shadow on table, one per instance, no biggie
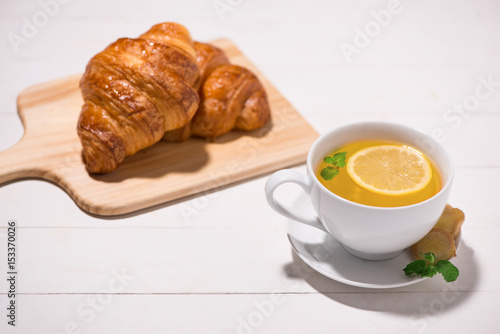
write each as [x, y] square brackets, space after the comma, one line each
[420, 301]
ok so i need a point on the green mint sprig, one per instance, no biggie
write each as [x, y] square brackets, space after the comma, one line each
[427, 268]
[337, 161]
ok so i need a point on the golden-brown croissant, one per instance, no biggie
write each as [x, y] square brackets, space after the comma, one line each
[208, 57]
[134, 91]
[232, 97]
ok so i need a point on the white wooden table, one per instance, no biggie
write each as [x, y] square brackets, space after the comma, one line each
[221, 263]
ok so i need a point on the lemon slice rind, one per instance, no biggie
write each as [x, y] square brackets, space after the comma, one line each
[404, 170]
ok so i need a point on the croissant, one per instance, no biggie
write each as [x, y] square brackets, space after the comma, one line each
[208, 57]
[232, 97]
[134, 91]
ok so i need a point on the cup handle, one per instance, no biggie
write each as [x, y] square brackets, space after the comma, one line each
[288, 175]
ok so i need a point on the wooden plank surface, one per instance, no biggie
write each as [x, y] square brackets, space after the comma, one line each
[425, 312]
[50, 149]
[223, 260]
[203, 263]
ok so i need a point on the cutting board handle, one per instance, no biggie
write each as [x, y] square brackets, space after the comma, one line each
[19, 161]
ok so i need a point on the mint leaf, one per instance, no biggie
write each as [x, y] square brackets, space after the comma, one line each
[339, 159]
[429, 271]
[415, 267]
[448, 270]
[329, 160]
[427, 268]
[329, 172]
[429, 257]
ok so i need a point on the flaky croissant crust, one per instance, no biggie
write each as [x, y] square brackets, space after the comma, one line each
[134, 91]
[138, 91]
[232, 97]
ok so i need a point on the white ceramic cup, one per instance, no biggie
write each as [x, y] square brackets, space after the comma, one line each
[369, 232]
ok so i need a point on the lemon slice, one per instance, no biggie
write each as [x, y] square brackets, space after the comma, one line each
[390, 169]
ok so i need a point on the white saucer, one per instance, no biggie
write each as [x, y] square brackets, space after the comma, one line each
[326, 255]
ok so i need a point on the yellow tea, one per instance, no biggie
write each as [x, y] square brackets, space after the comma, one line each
[379, 173]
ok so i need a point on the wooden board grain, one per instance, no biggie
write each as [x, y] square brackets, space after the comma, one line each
[50, 149]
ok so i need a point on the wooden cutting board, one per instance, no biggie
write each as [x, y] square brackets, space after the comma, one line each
[50, 149]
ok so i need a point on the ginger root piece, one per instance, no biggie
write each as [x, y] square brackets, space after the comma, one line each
[451, 220]
[437, 241]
